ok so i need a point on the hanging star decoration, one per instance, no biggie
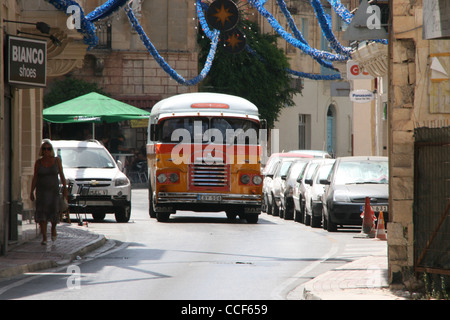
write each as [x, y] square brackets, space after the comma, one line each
[222, 15]
[235, 41]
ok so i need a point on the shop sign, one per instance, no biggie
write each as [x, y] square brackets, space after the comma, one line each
[361, 96]
[27, 62]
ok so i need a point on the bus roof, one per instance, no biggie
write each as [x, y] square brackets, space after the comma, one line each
[204, 103]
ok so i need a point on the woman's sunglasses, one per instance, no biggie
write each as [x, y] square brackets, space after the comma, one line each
[47, 148]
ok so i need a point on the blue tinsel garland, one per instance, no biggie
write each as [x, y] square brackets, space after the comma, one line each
[160, 60]
[292, 40]
[326, 28]
[87, 27]
[298, 35]
[341, 11]
[105, 9]
[347, 16]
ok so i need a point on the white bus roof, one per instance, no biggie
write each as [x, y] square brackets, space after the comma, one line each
[204, 103]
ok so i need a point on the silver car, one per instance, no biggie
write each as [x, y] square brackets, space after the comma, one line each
[313, 195]
[288, 186]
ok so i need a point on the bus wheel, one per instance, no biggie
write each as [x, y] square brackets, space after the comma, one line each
[252, 217]
[231, 215]
[162, 216]
[151, 208]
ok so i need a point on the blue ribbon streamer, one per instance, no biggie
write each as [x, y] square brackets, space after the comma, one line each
[160, 60]
[293, 41]
[326, 28]
[298, 35]
[347, 16]
[87, 28]
[105, 10]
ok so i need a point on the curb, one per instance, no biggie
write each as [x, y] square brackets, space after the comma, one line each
[19, 269]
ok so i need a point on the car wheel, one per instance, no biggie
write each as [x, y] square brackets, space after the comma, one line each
[307, 218]
[315, 222]
[123, 214]
[289, 210]
[276, 210]
[324, 221]
[99, 216]
[331, 226]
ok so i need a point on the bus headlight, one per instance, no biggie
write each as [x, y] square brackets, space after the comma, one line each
[173, 177]
[245, 179]
[162, 178]
[257, 180]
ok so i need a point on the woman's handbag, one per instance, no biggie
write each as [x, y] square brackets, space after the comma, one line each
[63, 204]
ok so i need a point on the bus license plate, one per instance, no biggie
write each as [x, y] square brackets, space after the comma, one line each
[208, 197]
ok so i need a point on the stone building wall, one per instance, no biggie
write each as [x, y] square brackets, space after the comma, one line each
[410, 93]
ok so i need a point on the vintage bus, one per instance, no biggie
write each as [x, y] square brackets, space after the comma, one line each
[203, 155]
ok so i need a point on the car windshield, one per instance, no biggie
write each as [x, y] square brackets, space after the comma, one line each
[362, 172]
[284, 168]
[323, 173]
[85, 158]
[297, 169]
[310, 170]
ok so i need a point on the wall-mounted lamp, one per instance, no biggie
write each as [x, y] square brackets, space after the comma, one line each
[54, 39]
[40, 26]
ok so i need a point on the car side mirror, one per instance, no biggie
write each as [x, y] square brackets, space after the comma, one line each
[120, 165]
[324, 181]
[308, 181]
[283, 177]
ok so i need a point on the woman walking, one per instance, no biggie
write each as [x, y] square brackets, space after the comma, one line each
[45, 181]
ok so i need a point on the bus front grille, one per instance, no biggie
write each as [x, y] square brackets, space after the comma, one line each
[204, 176]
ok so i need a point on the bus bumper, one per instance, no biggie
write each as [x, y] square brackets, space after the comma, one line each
[171, 201]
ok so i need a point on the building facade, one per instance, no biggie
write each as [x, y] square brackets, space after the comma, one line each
[419, 123]
[22, 104]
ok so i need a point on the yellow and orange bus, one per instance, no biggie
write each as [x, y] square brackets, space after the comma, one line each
[203, 155]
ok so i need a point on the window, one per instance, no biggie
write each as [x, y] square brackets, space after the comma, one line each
[304, 131]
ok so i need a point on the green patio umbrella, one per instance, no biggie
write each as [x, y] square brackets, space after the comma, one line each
[93, 107]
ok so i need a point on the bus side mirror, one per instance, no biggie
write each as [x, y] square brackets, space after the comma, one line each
[263, 123]
[154, 132]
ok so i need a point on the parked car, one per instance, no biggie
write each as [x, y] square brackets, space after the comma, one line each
[313, 195]
[301, 187]
[287, 188]
[275, 190]
[88, 163]
[268, 172]
[351, 180]
[314, 153]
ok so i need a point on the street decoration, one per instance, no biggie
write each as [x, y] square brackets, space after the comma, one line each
[223, 16]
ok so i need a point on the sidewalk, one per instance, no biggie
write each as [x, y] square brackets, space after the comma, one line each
[362, 279]
[30, 256]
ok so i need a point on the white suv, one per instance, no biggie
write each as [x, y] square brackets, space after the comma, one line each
[88, 163]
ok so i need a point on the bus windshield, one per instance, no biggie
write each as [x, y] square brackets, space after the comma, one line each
[209, 130]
